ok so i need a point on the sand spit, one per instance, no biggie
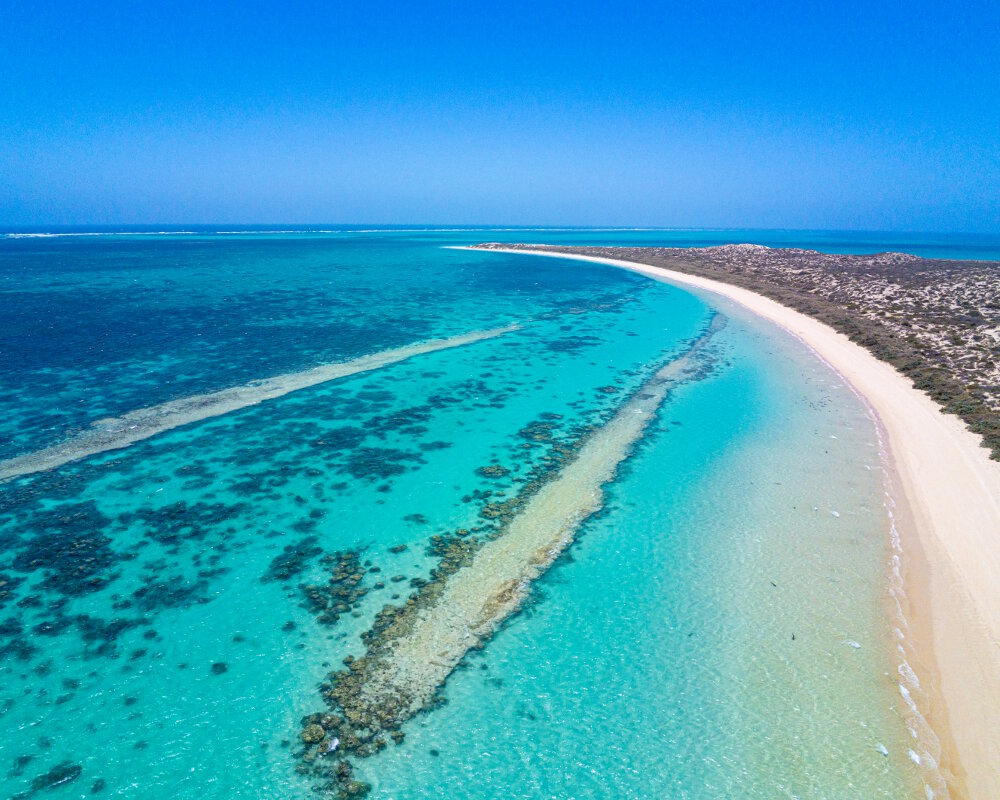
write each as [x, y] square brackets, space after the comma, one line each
[114, 433]
[949, 523]
[413, 649]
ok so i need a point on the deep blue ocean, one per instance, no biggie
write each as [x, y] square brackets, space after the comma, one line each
[170, 610]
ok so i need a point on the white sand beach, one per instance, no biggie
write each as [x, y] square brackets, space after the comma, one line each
[948, 515]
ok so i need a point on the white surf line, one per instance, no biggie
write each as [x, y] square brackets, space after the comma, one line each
[114, 433]
[477, 598]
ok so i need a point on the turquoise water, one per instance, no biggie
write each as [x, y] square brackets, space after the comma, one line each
[976, 246]
[166, 617]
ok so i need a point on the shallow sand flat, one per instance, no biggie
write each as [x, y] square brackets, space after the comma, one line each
[115, 433]
[951, 518]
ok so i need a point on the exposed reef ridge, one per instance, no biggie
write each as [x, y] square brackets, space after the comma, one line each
[114, 433]
[413, 648]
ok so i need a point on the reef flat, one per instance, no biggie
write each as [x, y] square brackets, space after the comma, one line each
[413, 648]
[114, 433]
[937, 321]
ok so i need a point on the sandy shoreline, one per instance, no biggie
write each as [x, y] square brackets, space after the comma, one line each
[947, 494]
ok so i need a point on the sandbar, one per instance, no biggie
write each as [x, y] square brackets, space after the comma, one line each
[114, 433]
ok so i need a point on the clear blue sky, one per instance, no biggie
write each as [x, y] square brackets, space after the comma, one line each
[735, 114]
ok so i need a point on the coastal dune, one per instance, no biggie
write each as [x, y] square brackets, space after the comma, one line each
[947, 493]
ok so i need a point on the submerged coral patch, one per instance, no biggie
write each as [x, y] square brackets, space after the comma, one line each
[572, 344]
[61, 774]
[342, 590]
[292, 560]
[70, 548]
[8, 585]
[373, 463]
[181, 521]
[493, 471]
[173, 592]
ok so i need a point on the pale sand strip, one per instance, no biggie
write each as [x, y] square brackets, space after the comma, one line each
[951, 492]
[114, 433]
[483, 593]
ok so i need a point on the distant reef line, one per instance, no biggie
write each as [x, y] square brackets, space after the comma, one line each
[115, 433]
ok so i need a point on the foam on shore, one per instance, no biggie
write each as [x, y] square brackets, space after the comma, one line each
[114, 433]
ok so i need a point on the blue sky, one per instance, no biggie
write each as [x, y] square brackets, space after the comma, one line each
[773, 114]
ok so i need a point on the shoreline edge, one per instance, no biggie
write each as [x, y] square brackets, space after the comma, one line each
[946, 498]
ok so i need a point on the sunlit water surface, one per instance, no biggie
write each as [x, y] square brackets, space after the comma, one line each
[715, 631]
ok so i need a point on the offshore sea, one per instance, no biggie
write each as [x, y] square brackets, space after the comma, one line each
[171, 610]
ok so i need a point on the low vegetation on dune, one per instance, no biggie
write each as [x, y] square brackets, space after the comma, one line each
[936, 321]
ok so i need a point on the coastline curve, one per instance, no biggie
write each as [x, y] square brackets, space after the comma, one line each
[946, 518]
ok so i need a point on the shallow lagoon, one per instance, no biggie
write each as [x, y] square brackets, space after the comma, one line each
[657, 657]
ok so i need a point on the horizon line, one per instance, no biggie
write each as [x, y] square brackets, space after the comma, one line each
[360, 227]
